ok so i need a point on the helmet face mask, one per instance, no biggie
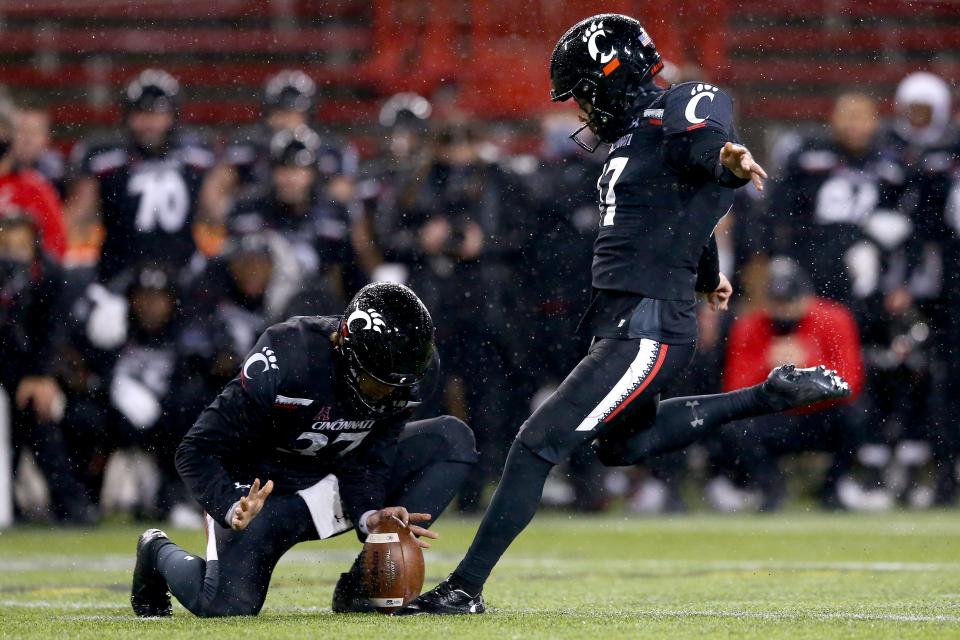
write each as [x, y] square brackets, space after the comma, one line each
[603, 61]
[604, 124]
[392, 402]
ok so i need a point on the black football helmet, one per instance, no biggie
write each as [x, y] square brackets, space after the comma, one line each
[386, 333]
[603, 61]
[295, 147]
[289, 90]
[152, 90]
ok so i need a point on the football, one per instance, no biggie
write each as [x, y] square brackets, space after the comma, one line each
[392, 566]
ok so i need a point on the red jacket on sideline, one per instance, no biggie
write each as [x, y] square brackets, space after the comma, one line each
[30, 192]
[827, 333]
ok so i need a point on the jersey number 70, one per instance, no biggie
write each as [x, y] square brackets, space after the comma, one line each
[606, 184]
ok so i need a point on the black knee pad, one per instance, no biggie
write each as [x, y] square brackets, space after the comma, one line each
[459, 438]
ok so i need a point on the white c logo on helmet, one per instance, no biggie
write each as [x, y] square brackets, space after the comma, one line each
[590, 36]
[359, 315]
[371, 320]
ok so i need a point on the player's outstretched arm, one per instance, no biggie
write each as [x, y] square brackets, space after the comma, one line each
[250, 505]
[404, 516]
[739, 160]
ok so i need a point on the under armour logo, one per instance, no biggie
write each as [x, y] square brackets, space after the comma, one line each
[697, 420]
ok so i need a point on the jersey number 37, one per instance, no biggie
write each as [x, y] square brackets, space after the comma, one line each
[607, 184]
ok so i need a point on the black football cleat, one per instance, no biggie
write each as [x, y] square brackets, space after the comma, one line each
[148, 595]
[349, 596]
[788, 387]
[443, 599]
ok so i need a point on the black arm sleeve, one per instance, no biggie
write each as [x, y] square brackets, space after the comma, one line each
[698, 152]
[697, 122]
[214, 439]
[227, 429]
[708, 270]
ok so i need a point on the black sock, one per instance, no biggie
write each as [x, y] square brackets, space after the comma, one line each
[511, 510]
[681, 422]
[185, 577]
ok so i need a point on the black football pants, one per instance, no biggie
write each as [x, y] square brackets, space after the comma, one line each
[612, 399]
[433, 458]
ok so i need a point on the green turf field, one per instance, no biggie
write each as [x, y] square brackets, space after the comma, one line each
[786, 576]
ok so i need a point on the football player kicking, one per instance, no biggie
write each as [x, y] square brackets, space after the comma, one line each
[319, 412]
[673, 164]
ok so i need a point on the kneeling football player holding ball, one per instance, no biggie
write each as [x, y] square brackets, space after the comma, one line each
[320, 412]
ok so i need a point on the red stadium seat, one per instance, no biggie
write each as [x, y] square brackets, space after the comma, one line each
[783, 58]
[195, 40]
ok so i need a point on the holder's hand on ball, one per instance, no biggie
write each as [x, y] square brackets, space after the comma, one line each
[250, 505]
[405, 517]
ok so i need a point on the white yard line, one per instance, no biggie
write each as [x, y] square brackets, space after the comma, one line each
[757, 615]
[116, 562]
[47, 604]
[652, 613]
[833, 615]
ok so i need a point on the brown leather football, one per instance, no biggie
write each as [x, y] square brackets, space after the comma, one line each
[392, 566]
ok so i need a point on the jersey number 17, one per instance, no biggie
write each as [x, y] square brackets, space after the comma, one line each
[606, 184]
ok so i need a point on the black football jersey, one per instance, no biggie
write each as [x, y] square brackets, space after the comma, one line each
[318, 237]
[249, 155]
[285, 418]
[831, 211]
[936, 218]
[657, 216]
[148, 204]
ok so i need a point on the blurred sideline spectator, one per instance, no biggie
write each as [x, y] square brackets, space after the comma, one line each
[498, 246]
[829, 189]
[403, 132]
[448, 222]
[937, 219]
[31, 146]
[923, 114]
[142, 184]
[26, 190]
[136, 389]
[307, 199]
[797, 327]
[32, 323]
